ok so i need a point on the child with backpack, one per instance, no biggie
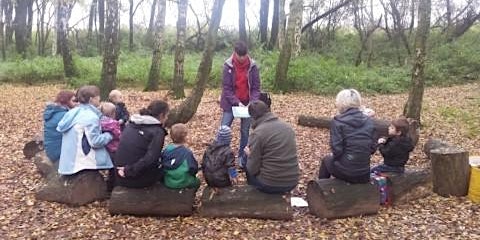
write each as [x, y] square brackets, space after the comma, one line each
[219, 161]
[178, 163]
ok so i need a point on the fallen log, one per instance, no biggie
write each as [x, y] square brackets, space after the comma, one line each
[334, 198]
[245, 202]
[381, 126]
[44, 166]
[408, 186]
[450, 171]
[156, 200]
[79, 189]
[33, 147]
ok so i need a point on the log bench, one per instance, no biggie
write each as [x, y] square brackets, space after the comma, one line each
[34, 146]
[334, 198]
[79, 189]
[245, 202]
[156, 200]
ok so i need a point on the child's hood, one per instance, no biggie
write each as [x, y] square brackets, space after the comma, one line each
[52, 109]
[173, 156]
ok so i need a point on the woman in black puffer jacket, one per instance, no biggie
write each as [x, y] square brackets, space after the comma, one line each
[352, 141]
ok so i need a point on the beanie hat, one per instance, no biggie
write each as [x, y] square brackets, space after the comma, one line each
[224, 135]
[63, 97]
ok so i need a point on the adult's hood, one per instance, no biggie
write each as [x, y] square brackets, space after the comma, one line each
[52, 109]
[353, 117]
[265, 118]
[69, 119]
[144, 120]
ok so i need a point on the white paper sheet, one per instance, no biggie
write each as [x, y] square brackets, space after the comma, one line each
[240, 112]
[298, 202]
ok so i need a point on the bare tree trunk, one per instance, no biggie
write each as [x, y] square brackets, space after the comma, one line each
[264, 7]
[413, 106]
[281, 81]
[8, 9]
[108, 79]
[91, 19]
[241, 21]
[154, 75]
[185, 111]
[151, 23]
[2, 36]
[281, 20]
[29, 20]
[130, 27]
[101, 26]
[20, 25]
[178, 77]
[62, 32]
[275, 25]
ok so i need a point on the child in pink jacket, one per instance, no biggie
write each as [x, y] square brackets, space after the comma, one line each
[109, 124]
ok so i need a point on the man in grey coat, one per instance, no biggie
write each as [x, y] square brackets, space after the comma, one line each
[272, 165]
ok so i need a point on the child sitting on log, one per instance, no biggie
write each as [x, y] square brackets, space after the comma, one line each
[396, 148]
[109, 124]
[218, 163]
[178, 163]
[121, 112]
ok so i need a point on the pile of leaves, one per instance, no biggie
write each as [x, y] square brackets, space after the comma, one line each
[22, 216]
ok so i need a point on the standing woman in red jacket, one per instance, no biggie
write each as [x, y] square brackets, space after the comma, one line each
[240, 86]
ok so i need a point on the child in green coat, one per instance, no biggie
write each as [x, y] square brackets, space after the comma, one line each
[178, 163]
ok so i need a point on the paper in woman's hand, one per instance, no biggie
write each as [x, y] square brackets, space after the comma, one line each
[240, 112]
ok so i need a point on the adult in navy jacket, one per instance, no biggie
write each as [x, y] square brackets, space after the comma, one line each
[241, 85]
[352, 141]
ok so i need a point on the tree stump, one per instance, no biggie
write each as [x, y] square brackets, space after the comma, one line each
[433, 143]
[334, 198]
[245, 202]
[156, 200]
[450, 171]
[44, 166]
[31, 148]
[79, 189]
[408, 186]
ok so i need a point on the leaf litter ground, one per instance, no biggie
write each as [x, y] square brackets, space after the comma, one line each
[449, 113]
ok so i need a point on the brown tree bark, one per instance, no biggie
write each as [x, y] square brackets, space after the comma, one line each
[63, 15]
[244, 202]
[76, 190]
[413, 106]
[334, 198]
[275, 25]
[185, 111]
[101, 26]
[111, 45]
[264, 8]
[154, 74]
[156, 200]
[242, 31]
[281, 81]
[178, 75]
